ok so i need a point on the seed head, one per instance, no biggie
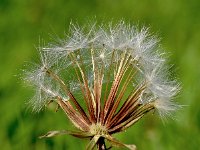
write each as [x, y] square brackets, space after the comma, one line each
[118, 72]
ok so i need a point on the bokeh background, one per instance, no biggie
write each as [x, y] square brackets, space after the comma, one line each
[23, 23]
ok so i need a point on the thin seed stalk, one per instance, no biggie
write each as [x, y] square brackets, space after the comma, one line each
[115, 85]
[66, 90]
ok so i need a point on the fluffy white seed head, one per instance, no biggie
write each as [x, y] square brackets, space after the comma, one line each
[109, 45]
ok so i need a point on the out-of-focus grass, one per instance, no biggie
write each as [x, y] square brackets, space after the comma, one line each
[23, 22]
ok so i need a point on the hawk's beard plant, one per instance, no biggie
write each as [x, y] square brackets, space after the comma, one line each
[105, 79]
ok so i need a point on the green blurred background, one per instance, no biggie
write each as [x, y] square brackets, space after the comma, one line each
[22, 22]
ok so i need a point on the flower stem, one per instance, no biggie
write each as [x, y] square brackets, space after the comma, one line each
[101, 144]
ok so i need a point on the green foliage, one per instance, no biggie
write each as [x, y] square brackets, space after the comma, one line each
[23, 22]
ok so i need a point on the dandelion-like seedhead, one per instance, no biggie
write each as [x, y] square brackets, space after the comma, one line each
[104, 79]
